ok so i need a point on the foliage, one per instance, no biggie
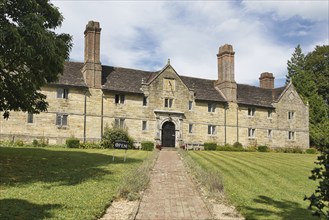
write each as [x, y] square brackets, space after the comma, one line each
[59, 183]
[262, 148]
[147, 145]
[310, 76]
[311, 151]
[19, 143]
[254, 182]
[72, 142]
[209, 179]
[31, 53]
[90, 145]
[137, 180]
[35, 143]
[228, 147]
[237, 145]
[111, 135]
[320, 198]
[210, 146]
[288, 150]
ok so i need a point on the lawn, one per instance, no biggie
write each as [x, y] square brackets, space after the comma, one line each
[263, 185]
[60, 183]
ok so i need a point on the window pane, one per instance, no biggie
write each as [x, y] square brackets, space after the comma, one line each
[58, 119]
[29, 118]
[64, 120]
[144, 125]
[190, 105]
[209, 107]
[65, 93]
[116, 99]
[59, 93]
[122, 99]
[170, 103]
[144, 101]
[116, 122]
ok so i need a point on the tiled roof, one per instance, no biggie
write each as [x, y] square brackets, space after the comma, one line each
[130, 81]
[72, 75]
[204, 89]
[252, 95]
[123, 79]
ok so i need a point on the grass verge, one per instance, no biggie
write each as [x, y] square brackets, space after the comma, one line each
[61, 183]
[138, 179]
[263, 185]
[209, 179]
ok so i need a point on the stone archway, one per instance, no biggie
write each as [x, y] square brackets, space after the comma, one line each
[168, 134]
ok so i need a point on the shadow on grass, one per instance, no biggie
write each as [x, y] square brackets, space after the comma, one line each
[283, 209]
[28, 165]
[22, 209]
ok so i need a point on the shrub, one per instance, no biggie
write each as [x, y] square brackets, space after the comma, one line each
[43, 142]
[228, 147]
[311, 151]
[90, 145]
[147, 145]
[35, 143]
[237, 145]
[263, 148]
[111, 135]
[288, 150]
[210, 146]
[72, 142]
[19, 143]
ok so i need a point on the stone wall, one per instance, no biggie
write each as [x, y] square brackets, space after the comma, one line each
[90, 110]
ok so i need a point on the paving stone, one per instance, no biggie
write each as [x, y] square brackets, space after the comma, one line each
[171, 193]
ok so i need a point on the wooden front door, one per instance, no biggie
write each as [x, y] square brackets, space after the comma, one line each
[168, 134]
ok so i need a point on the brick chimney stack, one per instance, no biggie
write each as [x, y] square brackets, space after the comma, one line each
[266, 80]
[226, 82]
[92, 69]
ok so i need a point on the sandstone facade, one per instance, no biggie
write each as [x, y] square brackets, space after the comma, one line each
[163, 106]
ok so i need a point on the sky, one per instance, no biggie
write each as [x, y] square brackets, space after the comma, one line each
[145, 34]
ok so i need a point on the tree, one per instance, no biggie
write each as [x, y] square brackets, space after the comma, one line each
[310, 76]
[320, 199]
[296, 64]
[31, 53]
[305, 73]
[317, 63]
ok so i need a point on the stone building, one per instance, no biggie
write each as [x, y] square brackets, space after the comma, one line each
[163, 106]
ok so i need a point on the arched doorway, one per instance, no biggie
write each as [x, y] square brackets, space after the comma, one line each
[168, 134]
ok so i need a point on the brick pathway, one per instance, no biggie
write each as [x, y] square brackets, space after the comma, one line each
[171, 194]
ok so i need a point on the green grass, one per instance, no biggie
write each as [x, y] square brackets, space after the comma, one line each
[59, 183]
[263, 185]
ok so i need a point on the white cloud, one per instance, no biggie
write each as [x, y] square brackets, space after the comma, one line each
[145, 34]
[311, 9]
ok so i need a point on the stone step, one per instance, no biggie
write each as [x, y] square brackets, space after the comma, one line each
[169, 148]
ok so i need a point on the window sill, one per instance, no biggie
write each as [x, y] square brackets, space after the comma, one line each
[64, 127]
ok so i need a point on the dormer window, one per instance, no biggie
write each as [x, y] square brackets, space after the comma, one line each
[62, 93]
